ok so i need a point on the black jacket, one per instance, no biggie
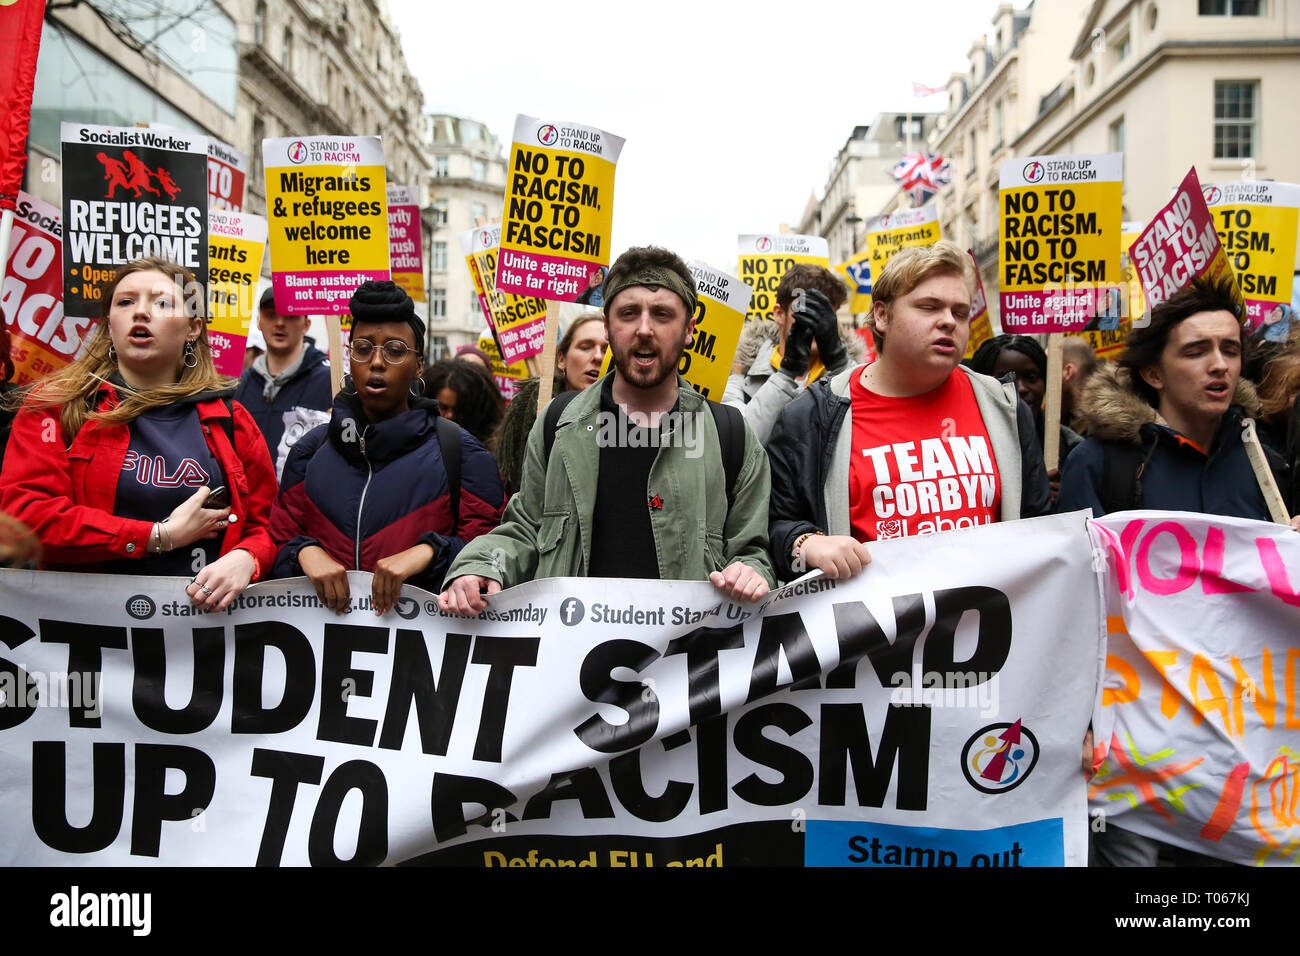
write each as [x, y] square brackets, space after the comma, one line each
[803, 445]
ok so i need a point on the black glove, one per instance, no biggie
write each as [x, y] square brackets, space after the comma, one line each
[798, 346]
[816, 309]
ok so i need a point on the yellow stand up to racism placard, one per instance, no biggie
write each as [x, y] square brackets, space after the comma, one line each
[885, 236]
[1256, 222]
[981, 325]
[1060, 229]
[236, 244]
[327, 202]
[765, 258]
[1107, 333]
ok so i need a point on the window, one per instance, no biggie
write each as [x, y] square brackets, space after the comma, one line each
[440, 257]
[478, 171]
[438, 303]
[286, 50]
[1123, 47]
[440, 167]
[76, 83]
[197, 40]
[259, 24]
[903, 124]
[440, 212]
[974, 154]
[478, 211]
[438, 347]
[997, 125]
[1229, 8]
[1235, 113]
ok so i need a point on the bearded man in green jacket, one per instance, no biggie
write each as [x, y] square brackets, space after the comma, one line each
[633, 482]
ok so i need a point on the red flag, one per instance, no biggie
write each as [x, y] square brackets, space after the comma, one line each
[920, 89]
[20, 41]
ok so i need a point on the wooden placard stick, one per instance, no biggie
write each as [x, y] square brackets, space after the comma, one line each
[1052, 398]
[334, 335]
[545, 366]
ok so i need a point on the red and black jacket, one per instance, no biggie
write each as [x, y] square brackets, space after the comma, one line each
[66, 494]
[364, 491]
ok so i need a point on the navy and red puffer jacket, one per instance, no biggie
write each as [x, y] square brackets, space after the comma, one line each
[364, 491]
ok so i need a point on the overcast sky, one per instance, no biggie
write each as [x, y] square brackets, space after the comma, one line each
[733, 113]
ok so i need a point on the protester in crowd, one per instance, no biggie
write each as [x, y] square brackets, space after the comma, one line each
[113, 458]
[775, 361]
[593, 295]
[1167, 431]
[468, 396]
[1023, 358]
[287, 390]
[1167, 424]
[1078, 362]
[910, 444]
[475, 356]
[255, 346]
[1279, 420]
[8, 390]
[578, 359]
[637, 477]
[372, 490]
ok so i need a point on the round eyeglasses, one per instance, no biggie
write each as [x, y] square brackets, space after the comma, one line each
[394, 350]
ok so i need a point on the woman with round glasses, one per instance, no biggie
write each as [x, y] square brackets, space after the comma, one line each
[134, 459]
[370, 491]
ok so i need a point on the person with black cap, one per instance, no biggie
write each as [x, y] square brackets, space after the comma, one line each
[372, 490]
[286, 390]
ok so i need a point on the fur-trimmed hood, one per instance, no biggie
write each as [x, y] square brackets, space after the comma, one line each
[1111, 409]
[759, 336]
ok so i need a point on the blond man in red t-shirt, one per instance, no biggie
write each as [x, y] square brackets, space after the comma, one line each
[909, 444]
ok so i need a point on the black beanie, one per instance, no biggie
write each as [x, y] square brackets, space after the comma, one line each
[386, 302]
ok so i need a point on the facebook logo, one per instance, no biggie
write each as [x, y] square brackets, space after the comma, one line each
[572, 611]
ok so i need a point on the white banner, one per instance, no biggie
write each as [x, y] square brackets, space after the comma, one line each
[1199, 711]
[928, 712]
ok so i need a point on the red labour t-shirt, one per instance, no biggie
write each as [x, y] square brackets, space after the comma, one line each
[920, 464]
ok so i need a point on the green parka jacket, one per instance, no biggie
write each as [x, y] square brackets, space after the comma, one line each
[546, 530]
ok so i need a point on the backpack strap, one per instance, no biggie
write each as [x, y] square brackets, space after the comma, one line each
[731, 442]
[727, 419]
[1121, 478]
[449, 443]
[554, 409]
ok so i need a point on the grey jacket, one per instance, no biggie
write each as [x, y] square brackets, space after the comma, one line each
[762, 391]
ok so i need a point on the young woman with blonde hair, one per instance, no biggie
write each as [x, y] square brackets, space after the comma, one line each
[113, 459]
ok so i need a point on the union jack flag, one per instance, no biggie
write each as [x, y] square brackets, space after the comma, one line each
[921, 175]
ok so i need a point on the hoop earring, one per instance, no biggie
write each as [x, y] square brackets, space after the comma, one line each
[348, 388]
[191, 358]
[112, 353]
[416, 388]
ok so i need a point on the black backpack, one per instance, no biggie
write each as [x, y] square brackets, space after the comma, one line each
[726, 418]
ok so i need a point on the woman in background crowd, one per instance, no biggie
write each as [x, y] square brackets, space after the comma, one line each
[112, 459]
[370, 490]
[578, 358]
[1279, 424]
[468, 396]
[1023, 357]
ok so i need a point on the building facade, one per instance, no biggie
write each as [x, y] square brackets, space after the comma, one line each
[861, 183]
[467, 185]
[1208, 84]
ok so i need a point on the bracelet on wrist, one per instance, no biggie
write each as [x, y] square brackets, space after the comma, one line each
[797, 550]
